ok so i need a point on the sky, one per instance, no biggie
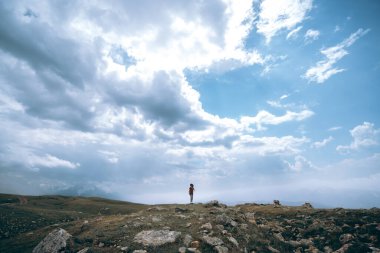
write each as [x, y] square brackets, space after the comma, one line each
[250, 101]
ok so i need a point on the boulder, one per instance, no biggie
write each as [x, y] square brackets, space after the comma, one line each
[57, 241]
[250, 217]
[307, 205]
[225, 220]
[212, 241]
[156, 237]
[187, 240]
[214, 203]
[221, 249]
[207, 226]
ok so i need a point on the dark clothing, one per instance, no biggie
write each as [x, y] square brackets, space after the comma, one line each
[191, 193]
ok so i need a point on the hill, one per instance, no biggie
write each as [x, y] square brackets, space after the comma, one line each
[102, 225]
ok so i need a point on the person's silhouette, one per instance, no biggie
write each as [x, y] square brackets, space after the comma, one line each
[191, 193]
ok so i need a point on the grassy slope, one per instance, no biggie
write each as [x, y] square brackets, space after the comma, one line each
[46, 212]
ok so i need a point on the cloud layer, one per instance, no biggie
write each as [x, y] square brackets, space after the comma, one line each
[95, 100]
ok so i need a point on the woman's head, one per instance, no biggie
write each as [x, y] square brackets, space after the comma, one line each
[191, 185]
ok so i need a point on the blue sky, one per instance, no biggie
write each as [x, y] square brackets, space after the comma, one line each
[248, 100]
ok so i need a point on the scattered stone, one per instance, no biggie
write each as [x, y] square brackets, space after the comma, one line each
[279, 237]
[140, 251]
[306, 242]
[195, 244]
[294, 243]
[328, 249]
[207, 226]
[212, 241]
[101, 245]
[182, 250]
[124, 248]
[373, 238]
[84, 226]
[84, 250]
[221, 249]
[345, 238]
[181, 210]
[182, 216]
[250, 217]
[187, 240]
[188, 225]
[344, 248]
[375, 250]
[157, 208]
[214, 203]
[244, 226]
[156, 237]
[193, 250]
[219, 227]
[225, 220]
[156, 219]
[271, 249]
[58, 240]
[234, 242]
[313, 249]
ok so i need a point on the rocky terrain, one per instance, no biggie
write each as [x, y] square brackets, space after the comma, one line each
[74, 224]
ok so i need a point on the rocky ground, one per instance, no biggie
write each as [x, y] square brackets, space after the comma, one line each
[65, 224]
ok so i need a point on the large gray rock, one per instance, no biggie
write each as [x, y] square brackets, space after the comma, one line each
[212, 241]
[57, 241]
[156, 237]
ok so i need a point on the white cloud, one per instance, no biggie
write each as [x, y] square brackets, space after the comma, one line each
[335, 128]
[324, 142]
[286, 145]
[284, 96]
[266, 118]
[325, 69]
[364, 135]
[293, 33]
[275, 16]
[51, 162]
[300, 164]
[311, 35]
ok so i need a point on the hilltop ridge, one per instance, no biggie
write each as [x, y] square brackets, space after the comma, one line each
[102, 225]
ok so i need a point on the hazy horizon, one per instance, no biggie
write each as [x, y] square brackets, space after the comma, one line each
[248, 100]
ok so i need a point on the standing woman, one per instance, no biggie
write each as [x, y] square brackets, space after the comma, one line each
[191, 192]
